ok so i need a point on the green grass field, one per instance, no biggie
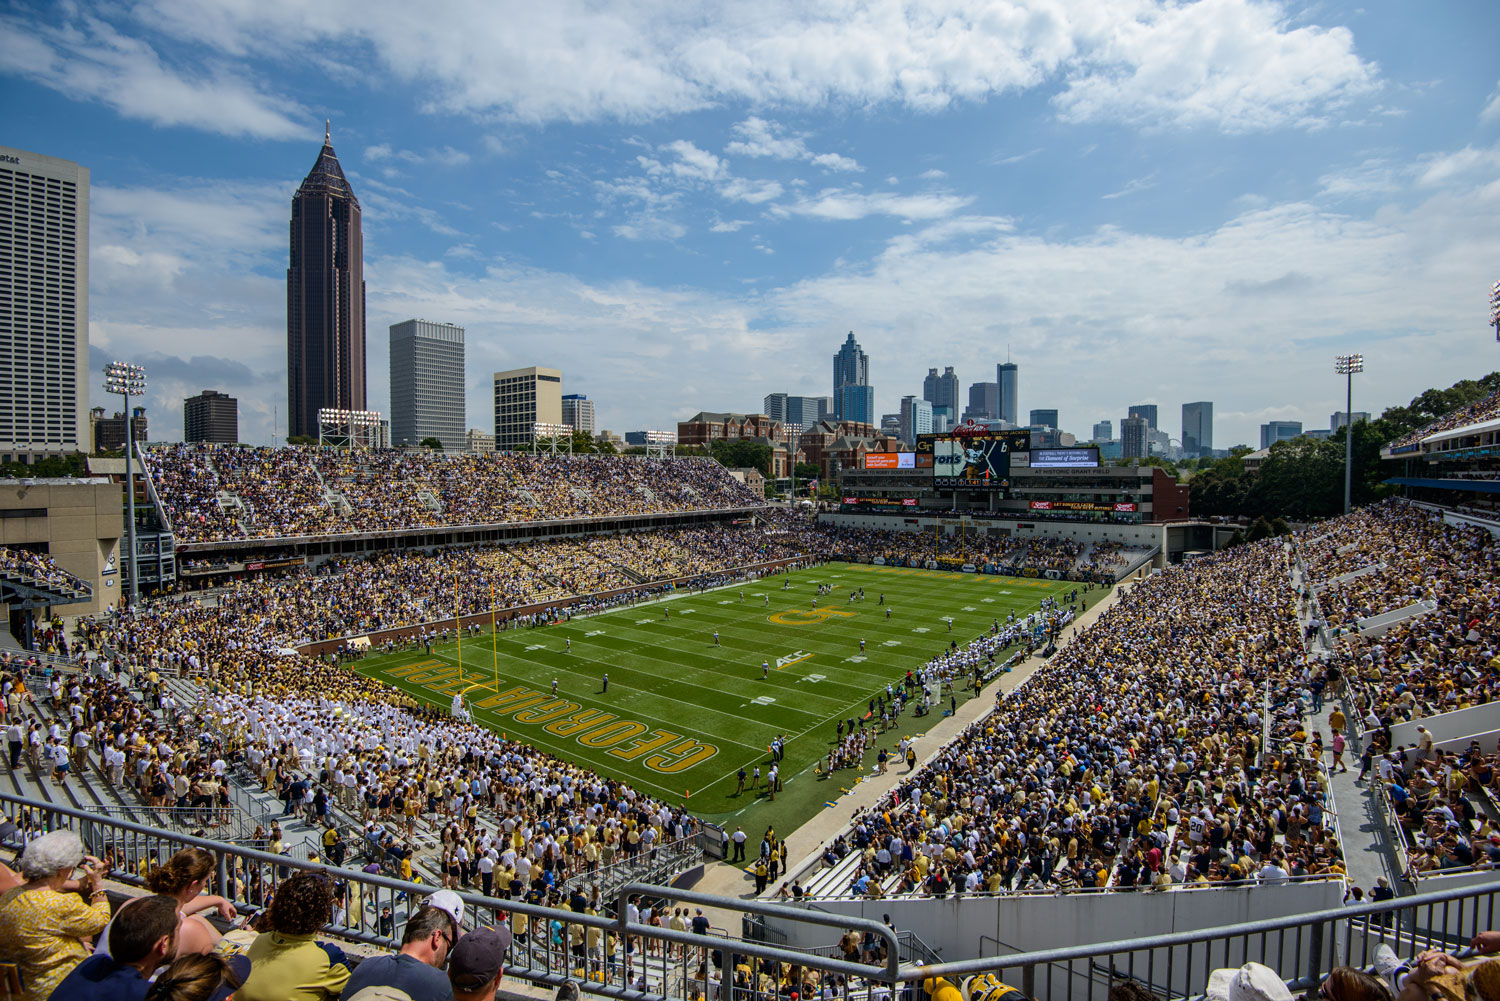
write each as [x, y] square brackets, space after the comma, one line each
[682, 715]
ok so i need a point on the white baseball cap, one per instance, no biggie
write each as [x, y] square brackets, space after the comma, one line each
[447, 900]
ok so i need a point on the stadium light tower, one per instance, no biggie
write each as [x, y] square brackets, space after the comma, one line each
[1347, 365]
[1495, 309]
[127, 380]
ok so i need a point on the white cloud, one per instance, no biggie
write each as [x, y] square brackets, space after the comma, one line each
[1373, 176]
[1132, 186]
[1231, 64]
[1441, 169]
[1491, 111]
[728, 225]
[739, 189]
[1005, 161]
[933, 175]
[694, 163]
[1238, 65]
[446, 156]
[842, 205]
[89, 60]
[834, 161]
[758, 137]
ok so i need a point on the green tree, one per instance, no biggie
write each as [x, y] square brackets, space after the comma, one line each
[1220, 487]
[301, 439]
[1259, 529]
[1302, 478]
[435, 444]
[743, 453]
[808, 471]
[52, 466]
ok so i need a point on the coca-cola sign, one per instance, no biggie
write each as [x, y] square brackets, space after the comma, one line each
[970, 428]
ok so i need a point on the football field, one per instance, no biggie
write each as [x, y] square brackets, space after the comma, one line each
[682, 713]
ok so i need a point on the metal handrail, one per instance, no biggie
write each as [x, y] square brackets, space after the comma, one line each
[544, 955]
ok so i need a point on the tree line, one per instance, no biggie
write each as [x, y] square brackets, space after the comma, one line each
[1304, 477]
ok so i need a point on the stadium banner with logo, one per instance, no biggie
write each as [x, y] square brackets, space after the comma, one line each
[890, 460]
[1029, 572]
[969, 568]
[879, 561]
[1054, 505]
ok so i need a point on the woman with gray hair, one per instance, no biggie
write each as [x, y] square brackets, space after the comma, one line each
[45, 927]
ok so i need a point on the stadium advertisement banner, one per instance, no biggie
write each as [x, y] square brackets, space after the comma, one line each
[878, 505]
[890, 460]
[1065, 458]
[296, 561]
[1122, 507]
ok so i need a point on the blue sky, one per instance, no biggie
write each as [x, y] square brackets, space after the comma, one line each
[686, 208]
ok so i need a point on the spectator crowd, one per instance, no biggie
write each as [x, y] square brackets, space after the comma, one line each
[214, 492]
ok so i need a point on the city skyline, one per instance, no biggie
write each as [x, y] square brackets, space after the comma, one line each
[700, 236]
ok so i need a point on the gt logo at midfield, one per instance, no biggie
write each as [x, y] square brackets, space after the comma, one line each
[797, 617]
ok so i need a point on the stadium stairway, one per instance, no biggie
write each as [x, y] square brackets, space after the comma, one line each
[1369, 851]
[86, 789]
[20, 588]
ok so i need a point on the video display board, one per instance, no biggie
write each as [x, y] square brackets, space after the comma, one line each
[890, 460]
[1065, 458]
[973, 456]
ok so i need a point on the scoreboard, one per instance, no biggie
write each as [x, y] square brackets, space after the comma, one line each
[973, 457]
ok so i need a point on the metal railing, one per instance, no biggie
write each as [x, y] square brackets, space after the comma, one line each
[612, 956]
[658, 863]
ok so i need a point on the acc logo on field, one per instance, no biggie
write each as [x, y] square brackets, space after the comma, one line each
[797, 617]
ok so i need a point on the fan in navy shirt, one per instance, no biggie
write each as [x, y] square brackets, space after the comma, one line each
[141, 938]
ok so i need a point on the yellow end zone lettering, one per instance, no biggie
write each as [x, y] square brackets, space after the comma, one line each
[798, 617]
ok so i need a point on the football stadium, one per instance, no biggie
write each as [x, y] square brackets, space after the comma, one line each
[677, 740]
[434, 689]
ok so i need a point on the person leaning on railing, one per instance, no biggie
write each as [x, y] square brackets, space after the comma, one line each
[44, 922]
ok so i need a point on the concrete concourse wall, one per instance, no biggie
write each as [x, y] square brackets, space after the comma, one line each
[971, 927]
[1080, 531]
[1446, 728]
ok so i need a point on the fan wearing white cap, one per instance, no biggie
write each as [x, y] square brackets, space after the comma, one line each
[1251, 982]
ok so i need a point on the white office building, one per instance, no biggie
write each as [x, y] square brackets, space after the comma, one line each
[44, 306]
[524, 398]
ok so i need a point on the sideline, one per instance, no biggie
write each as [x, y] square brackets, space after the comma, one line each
[729, 879]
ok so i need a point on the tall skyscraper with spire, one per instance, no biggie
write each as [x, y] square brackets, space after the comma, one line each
[325, 297]
[853, 397]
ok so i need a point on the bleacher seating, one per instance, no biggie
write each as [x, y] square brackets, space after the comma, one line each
[219, 492]
[25, 575]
